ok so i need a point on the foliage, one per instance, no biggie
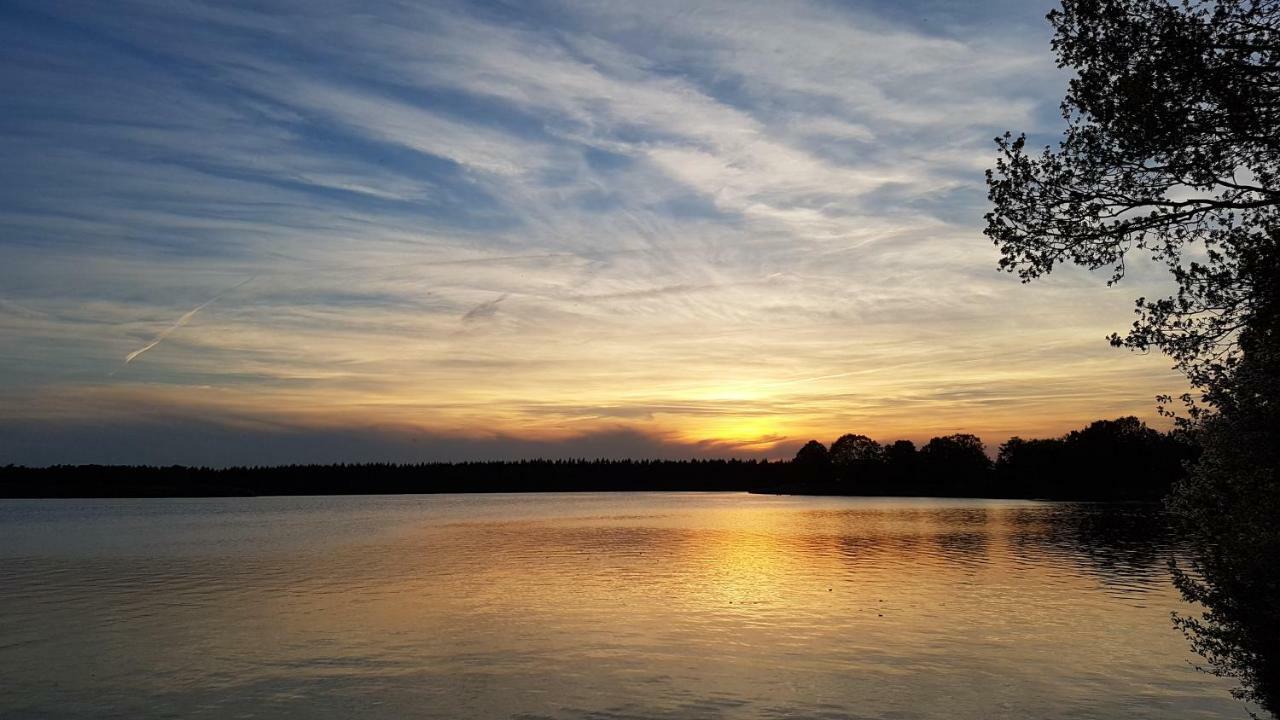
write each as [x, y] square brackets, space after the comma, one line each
[1172, 150]
[1230, 508]
[813, 454]
[1108, 458]
[1119, 459]
[901, 462]
[387, 478]
[959, 460]
[856, 457]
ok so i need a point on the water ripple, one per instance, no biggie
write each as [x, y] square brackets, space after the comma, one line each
[644, 605]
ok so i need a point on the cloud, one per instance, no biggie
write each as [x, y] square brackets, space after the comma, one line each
[484, 310]
[722, 221]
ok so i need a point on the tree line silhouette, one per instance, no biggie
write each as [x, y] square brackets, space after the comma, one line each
[1109, 459]
[573, 475]
[1121, 459]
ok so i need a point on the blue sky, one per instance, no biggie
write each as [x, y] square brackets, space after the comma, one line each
[339, 230]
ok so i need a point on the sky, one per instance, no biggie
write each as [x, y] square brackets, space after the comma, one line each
[321, 231]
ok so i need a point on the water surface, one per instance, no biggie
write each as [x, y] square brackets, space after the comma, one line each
[631, 605]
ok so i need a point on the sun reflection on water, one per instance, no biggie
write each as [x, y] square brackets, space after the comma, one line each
[586, 605]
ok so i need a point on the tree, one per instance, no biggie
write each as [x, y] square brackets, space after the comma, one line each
[857, 458]
[1172, 150]
[1231, 506]
[1033, 466]
[849, 449]
[901, 462]
[1125, 455]
[958, 462]
[813, 454]
[1171, 143]
[812, 462]
[1121, 458]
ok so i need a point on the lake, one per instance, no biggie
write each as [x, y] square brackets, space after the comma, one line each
[628, 605]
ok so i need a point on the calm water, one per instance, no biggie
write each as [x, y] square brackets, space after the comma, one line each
[645, 605]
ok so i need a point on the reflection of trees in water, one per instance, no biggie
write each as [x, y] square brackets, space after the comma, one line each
[1121, 545]
[967, 538]
[883, 536]
[1229, 509]
[1118, 544]
[857, 551]
[963, 548]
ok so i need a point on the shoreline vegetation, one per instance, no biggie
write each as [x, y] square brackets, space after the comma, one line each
[1120, 459]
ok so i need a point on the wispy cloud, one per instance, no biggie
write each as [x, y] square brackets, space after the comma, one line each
[723, 221]
[486, 309]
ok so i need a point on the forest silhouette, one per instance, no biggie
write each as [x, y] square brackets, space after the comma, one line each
[1120, 459]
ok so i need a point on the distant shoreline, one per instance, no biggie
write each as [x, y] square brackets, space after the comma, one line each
[529, 476]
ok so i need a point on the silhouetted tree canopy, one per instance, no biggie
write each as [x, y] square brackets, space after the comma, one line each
[813, 455]
[901, 462]
[1230, 507]
[1172, 151]
[1108, 458]
[957, 461]
[857, 457]
[388, 478]
[812, 463]
[1121, 459]
[849, 449]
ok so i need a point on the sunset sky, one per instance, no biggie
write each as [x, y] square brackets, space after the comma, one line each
[318, 231]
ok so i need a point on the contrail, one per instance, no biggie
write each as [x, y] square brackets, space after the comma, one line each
[183, 321]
